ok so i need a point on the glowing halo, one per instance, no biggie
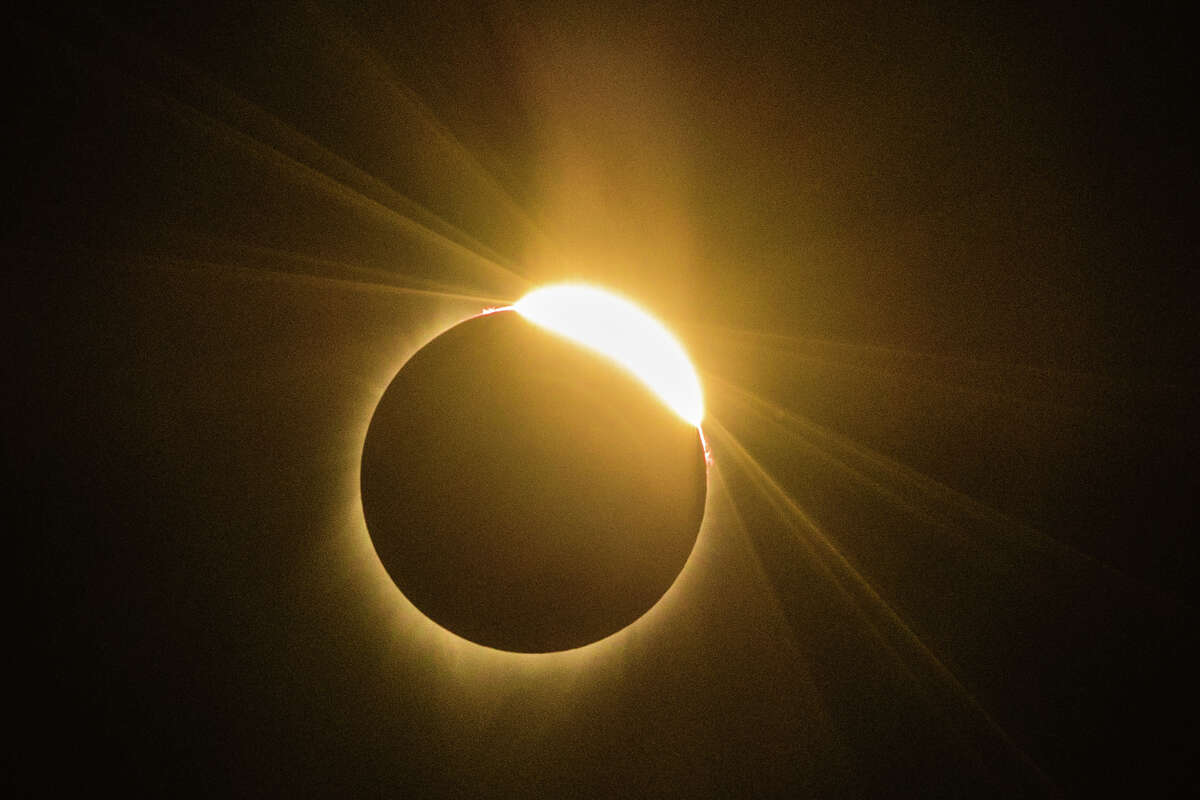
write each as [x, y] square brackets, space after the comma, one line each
[618, 329]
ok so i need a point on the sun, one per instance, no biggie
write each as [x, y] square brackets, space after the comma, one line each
[615, 327]
[524, 490]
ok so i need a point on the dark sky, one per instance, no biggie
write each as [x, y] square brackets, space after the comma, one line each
[937, 266]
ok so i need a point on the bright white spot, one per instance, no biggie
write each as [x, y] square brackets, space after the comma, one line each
[616, 328]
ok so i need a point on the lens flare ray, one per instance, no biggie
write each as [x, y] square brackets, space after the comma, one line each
[306, 162]
[927, 500]
[893, 632]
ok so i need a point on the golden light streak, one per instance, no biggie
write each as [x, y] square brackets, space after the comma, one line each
[618, 329]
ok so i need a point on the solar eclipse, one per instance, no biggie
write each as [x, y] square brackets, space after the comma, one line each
[534, 478]
[935, 266]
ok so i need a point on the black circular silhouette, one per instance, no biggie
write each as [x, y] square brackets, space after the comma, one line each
[526, 493]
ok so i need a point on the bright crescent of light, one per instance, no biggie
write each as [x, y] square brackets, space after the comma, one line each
[615, 327]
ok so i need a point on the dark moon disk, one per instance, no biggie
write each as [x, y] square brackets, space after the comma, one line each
[526, 493]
